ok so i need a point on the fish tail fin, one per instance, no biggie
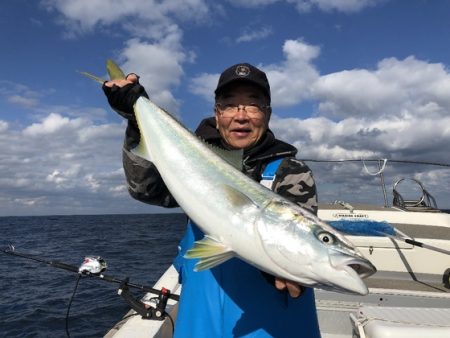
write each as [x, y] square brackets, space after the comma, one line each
[114, 71]
[93, 77]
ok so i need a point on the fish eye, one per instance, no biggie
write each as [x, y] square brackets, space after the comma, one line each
[326, 237]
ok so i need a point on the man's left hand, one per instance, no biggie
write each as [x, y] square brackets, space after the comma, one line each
[295, 290]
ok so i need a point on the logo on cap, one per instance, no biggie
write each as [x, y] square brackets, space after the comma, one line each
[242, 70]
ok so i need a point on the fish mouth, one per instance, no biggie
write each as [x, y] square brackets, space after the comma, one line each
[363, 268]
[355, 269]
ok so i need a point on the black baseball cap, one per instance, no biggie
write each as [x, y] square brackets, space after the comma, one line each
[243, 72]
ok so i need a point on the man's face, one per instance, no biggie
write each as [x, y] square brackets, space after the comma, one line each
[238, 128]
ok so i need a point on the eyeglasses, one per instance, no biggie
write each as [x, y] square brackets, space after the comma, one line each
[253, 110]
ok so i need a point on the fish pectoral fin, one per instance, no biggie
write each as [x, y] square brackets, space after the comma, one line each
[210, 262]
[210, 252]
[236, 197]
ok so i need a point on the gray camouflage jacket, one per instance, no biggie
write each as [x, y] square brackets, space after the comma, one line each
[294, 180]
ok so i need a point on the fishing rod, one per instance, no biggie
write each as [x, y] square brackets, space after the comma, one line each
[94, 266]
[91, 267]
[377, 228]
[407, 239]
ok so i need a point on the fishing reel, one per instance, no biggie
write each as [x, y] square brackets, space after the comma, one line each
[93, 265]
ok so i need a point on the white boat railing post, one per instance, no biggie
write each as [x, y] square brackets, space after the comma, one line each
[383, 185]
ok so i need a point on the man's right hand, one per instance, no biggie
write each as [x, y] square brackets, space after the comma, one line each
[131, 78]
[122, 94]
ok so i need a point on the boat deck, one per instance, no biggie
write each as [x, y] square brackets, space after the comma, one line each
[407, 285]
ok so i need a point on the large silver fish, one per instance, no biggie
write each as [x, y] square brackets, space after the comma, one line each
[240, 217]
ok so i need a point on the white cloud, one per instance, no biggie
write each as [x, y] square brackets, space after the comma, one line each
[19, 94]
[398, 110]
[23, 101]
[290, 80]
[152, 19]
[154, 51]
[62, 165]
[252, 3]
[392, 137]
[396, 88]
[159, 74]
[204, 85]
[147, 18]
[254, 34]
[347, 6]
[31, 202]
[3, 126]
[50, 124]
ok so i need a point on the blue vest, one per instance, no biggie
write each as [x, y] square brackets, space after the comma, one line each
[233, 299]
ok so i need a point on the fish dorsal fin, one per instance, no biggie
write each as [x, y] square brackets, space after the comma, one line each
[236, 198]
[233, 157]
[210, 252]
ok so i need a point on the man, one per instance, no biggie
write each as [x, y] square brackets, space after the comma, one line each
[234, 298]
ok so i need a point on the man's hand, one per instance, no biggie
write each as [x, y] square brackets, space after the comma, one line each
[131, 78]
[122, 94]
[295, 290]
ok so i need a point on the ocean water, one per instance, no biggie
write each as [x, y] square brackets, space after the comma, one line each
[34, 296]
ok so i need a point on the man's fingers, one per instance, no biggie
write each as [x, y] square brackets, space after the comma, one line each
[131, 78]
[280, 284]
[119, 83]
[294, 289]
[134, 78]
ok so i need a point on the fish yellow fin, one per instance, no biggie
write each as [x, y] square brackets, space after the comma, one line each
[93, 77]
[114, 71]
[210, 252]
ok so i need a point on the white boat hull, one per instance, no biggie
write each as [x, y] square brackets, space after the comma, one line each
[395, 257]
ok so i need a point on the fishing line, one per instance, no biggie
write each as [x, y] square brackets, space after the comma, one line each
[377, 160]
[70, 303]
[172, 322]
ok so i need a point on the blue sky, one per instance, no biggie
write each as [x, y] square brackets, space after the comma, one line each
[350, 79]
